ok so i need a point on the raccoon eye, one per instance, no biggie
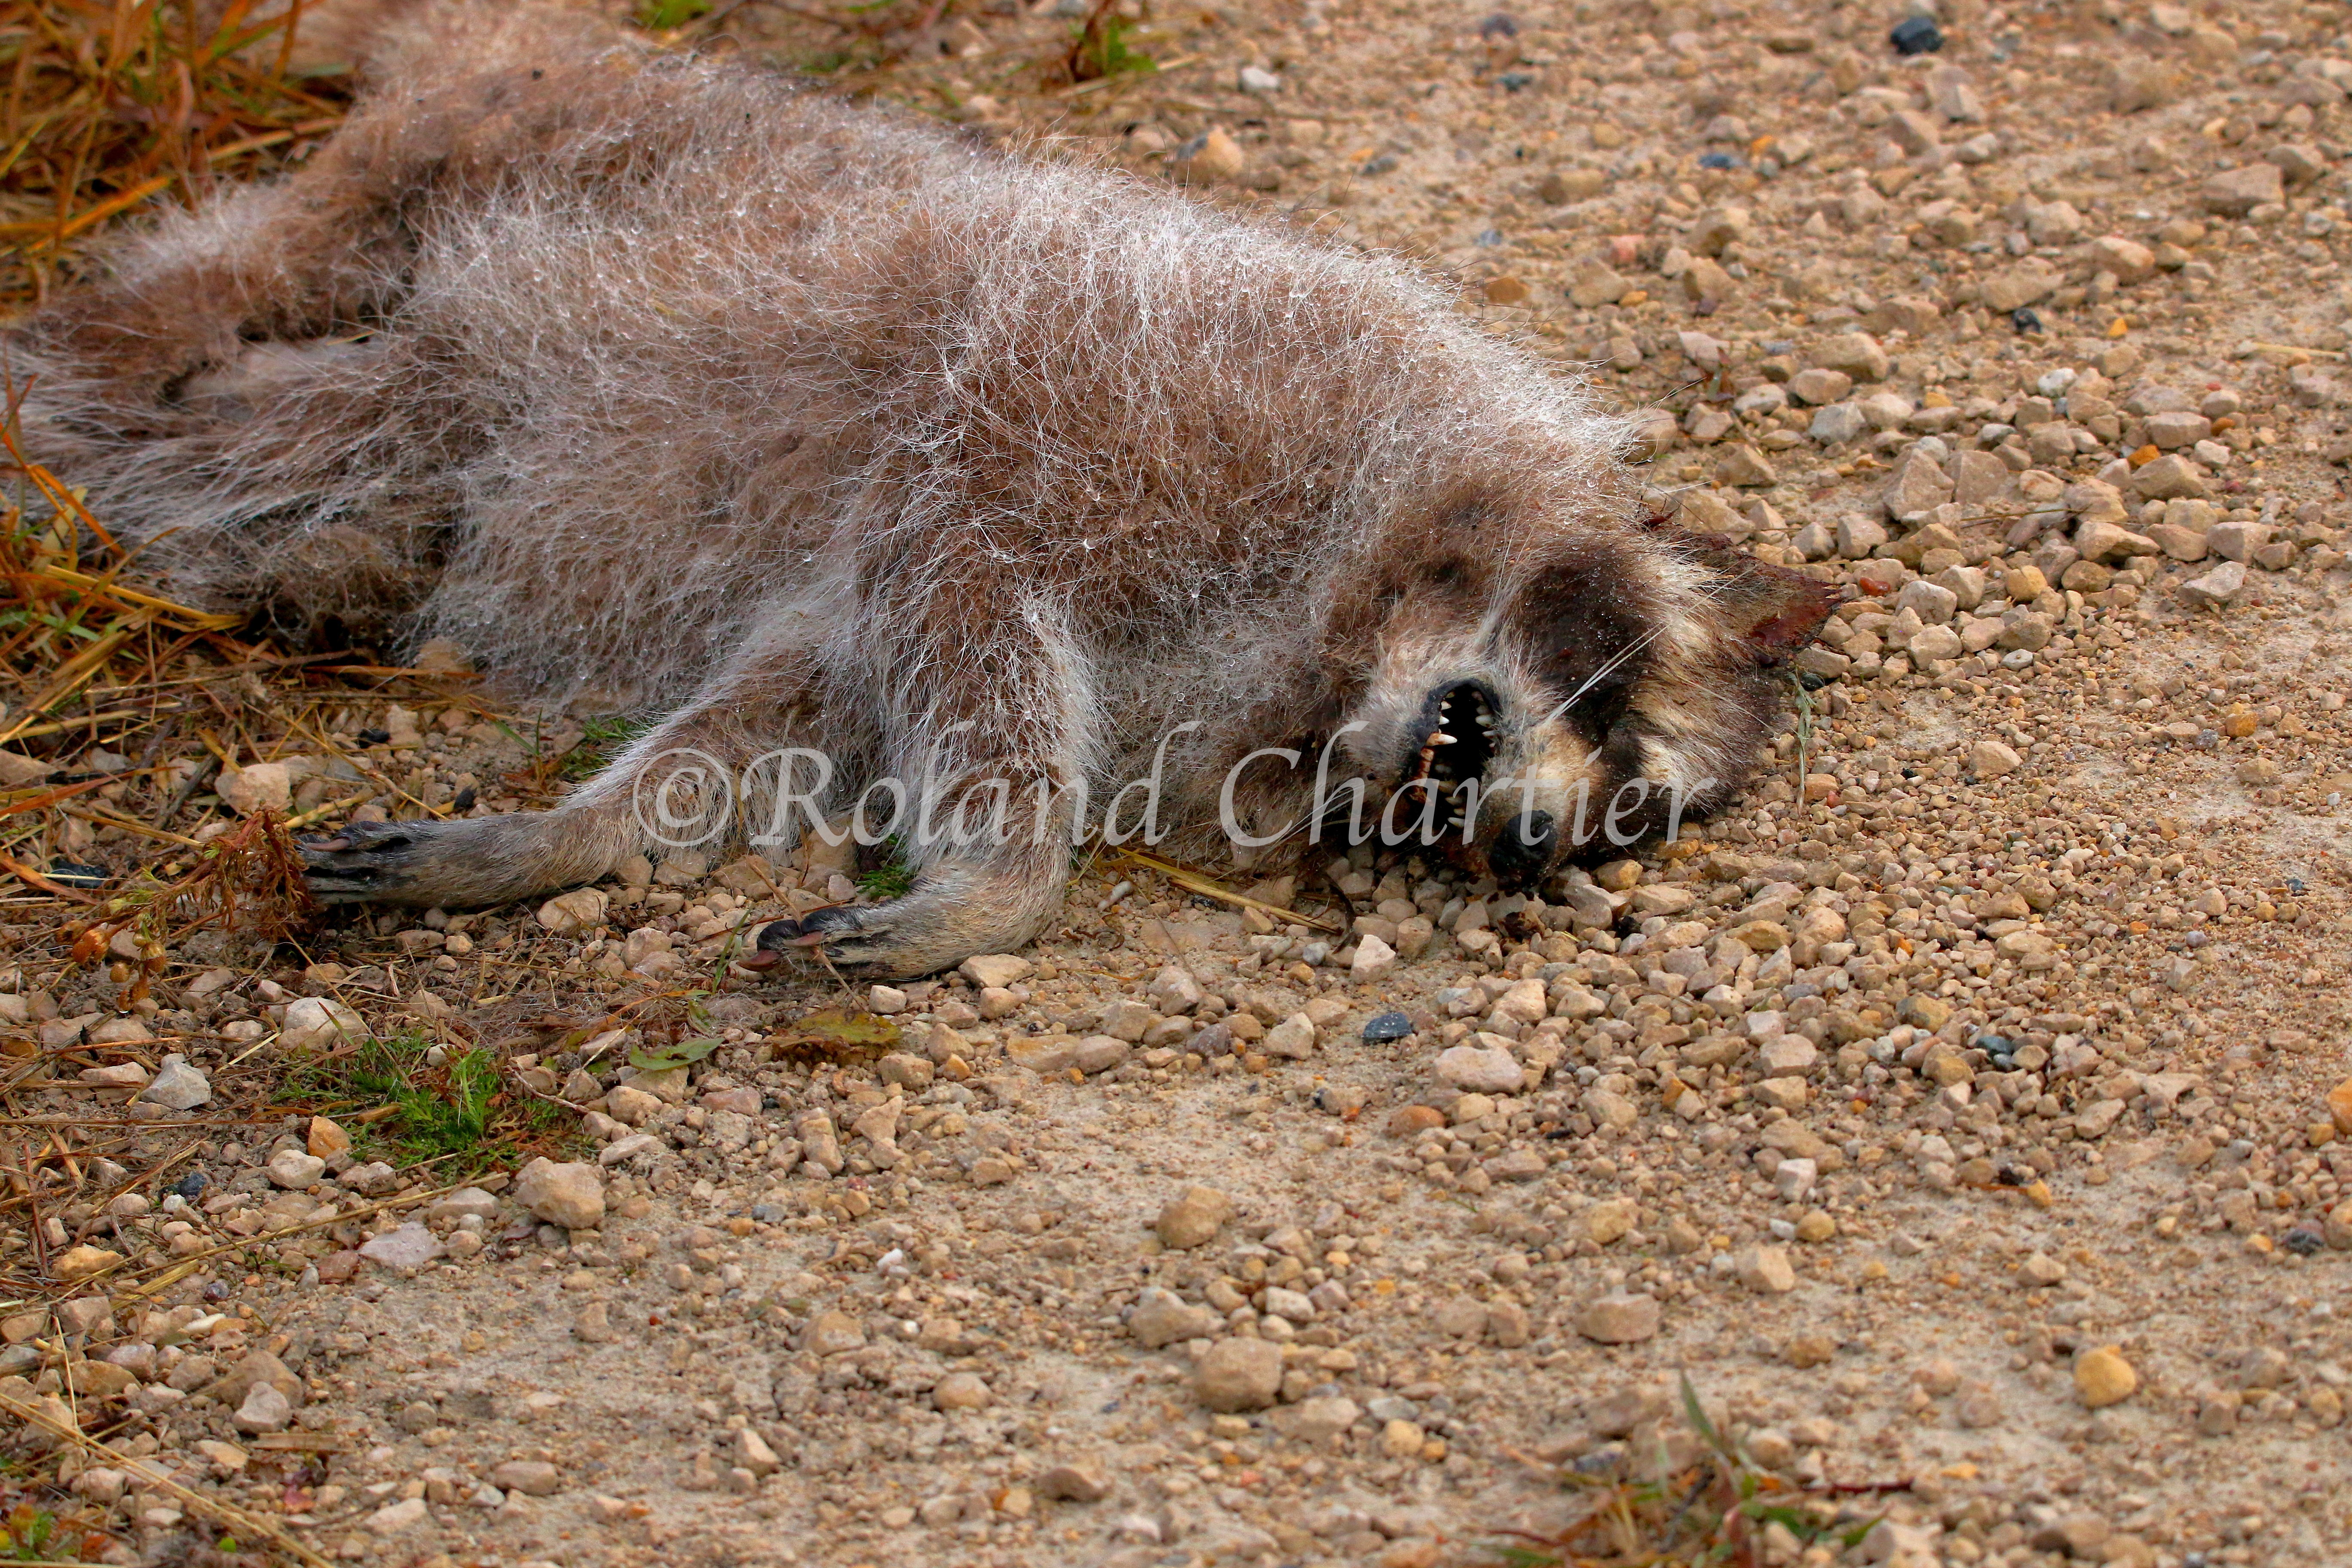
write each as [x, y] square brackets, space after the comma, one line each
[1602, 702]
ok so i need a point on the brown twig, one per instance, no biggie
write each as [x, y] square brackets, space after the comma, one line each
[33, 878]
[33, 1205]
[251, 1525]
[108, 819]
[187, 791]
[183, 1267]
[1208, 886]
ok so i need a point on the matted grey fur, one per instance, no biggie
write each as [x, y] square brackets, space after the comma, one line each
[659, 383]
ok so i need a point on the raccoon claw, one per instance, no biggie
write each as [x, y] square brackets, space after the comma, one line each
[804, 930]
[948, 916]
[363, 861]
[842, 930]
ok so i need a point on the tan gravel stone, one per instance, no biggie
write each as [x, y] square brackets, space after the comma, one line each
[532, 1477]
[81, 1263]
[1292, 1039]
[833, 1333]
[568, 1194]
[264, 786]
[1766, 1270]
[1993, 760]
[568, 914]
[1163, 1318]
[996, 970]
[2233, 193]
[2103, 1377]
[320, 1024]
[1238, 1374]
[1217, 157]
[1619, 1319]
[961, 1391]
[1611, 1219]
[1193, 1217]
[1073, 1483]
[2014, 288]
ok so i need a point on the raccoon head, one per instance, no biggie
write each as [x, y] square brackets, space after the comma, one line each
[1568, 704]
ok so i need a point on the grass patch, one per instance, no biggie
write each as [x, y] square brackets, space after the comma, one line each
[890, 877]
[661, 15]
[460, 1111]
[603, 738]
[1800, 698]
[1724, 1510]
[1098, 47]
[34, 1534]
[848, 59]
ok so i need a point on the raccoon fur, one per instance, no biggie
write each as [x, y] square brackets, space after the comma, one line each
[656, 382]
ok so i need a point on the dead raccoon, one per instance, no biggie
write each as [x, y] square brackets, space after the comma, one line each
[809, 426]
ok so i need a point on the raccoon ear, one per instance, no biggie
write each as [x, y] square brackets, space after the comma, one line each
[1773, 610]
[1782, 609]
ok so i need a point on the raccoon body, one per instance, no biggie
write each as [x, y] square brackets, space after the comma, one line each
[659, 384]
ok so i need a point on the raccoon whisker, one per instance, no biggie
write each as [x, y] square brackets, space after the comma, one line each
[1615, 662]
[1608, 668]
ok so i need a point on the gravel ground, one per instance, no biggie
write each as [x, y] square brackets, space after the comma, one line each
[1954, 1112]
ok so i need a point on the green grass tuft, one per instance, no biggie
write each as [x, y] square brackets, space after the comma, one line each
[1104, 51]
[603, 738]
[893, 878]
[459, 1112]
[1712, 1511]
[661, 15]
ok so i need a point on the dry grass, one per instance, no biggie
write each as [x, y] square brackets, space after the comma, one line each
[90, 666]
[109, 107]
[117, 706]
[110, 104]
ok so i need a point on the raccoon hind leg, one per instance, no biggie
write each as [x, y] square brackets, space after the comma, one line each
[673, 788]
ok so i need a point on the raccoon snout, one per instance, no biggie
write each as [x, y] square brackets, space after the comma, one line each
[1522, 852]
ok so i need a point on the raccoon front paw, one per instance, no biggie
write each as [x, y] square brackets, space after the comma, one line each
[388, 863]
[902, 939]
[846, 934]
[368, 864]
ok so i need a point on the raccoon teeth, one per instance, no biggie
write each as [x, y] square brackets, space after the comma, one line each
[1453, 756]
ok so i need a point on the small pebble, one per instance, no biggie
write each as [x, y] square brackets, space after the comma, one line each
[2103, 1377]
